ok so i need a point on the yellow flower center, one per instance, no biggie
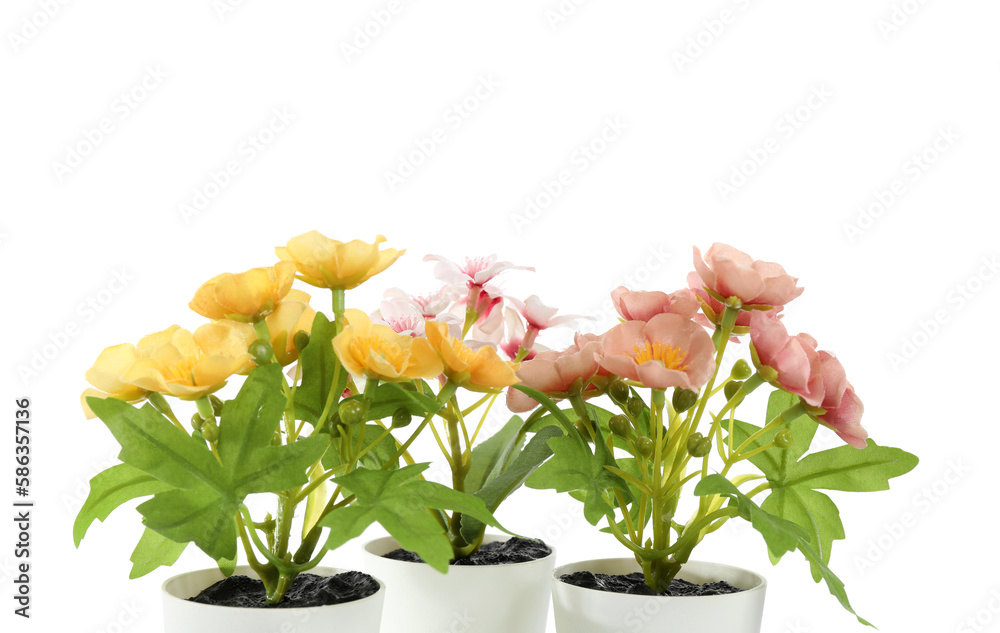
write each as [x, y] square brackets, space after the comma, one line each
[464, 354]
[671, 357]
[182, 372]
[363, 346]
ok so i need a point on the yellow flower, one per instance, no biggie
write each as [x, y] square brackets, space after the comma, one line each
[188, 365]
[291, 316]
[480, 368]
[106, 377]
[327, 263]
[376, 351]
[244, 296]
[226, 338]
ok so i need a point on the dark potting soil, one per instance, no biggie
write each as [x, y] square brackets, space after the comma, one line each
[635, 584]
[513, 550]
[307, 590]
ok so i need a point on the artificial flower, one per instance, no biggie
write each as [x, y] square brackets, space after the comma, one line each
[106, 377]
[845, 419]
[642, 305]
[481, 368]
[327, 263]
[793, 359]
[555, 373]
[729, 272]
[666, 351]
[293, 315]
[376, 351]
[190, 366]
[246, 296]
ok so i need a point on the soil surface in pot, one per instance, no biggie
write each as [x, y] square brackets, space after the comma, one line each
[307, 590]
[513, 550]
[635, 584]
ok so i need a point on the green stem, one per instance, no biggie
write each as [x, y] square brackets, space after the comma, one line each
[339, 307]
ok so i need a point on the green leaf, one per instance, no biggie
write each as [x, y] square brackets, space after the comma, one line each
[319, 365]
[780, 534]
[154, 550]
[792, 480]
[510, 479]
[400, 502]
[202, 495]
[198, 514]
[108, 490]
[155, 446]
[813, 511]
[491, 455]
[574, 467]
[390, 396]
[850, 469]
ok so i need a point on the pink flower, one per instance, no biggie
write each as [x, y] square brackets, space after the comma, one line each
[834, 380]
[713, 308]
[666, 351]
[845, 419]
[476, 274]
[540, 316]
[732, 273]
[429, 305]
[793, 358]
[553, 373]
[640, 305]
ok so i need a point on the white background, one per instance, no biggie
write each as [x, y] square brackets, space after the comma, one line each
[870, 87]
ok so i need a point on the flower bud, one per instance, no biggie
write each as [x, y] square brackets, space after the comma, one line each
[619, 392]
[731, 388]
[741, 370]
[197, 421]
[261, 351]
[684, 399]
[210, 431]
[216, 404]
[699, 445]
[635, 406]
[620, 425]
[301, 339]
[351, 412]
[644, 446]
[401, 418]
[783, 439]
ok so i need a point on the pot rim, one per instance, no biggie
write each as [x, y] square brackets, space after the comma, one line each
[760, 583]
[245, 570]
[488, 539]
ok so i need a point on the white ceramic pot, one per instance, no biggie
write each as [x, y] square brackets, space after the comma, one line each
[468, 599]
[182, 616]
[580, 610]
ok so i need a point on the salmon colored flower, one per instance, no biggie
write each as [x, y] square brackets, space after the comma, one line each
[376, 351]
[328, 263]
[666, 351]
[245, 296]
[845, 419]
[476, 370]
[188, 365]
[106, 377]
[554, 373]
[793, 359]
[641, 305]
[729, 272]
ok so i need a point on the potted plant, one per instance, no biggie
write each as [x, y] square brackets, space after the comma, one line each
[634, 465]
[495, 584]
[292, 432]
